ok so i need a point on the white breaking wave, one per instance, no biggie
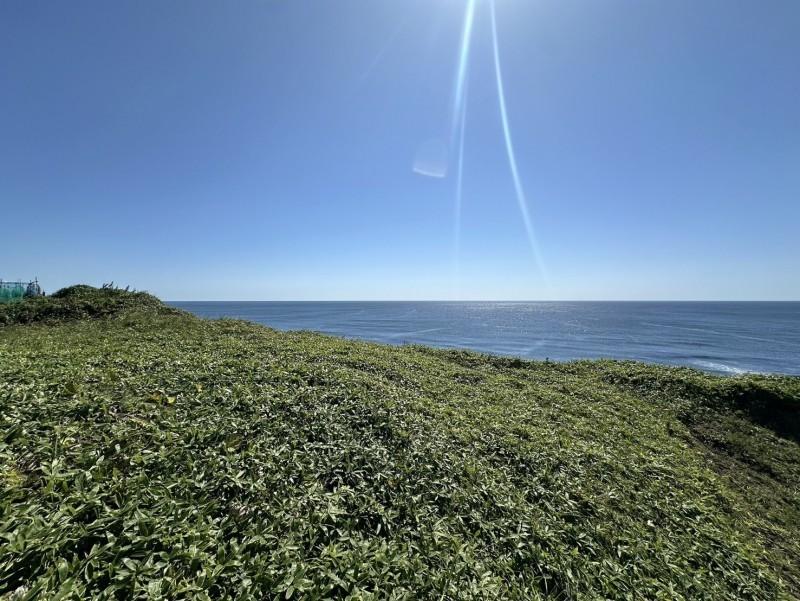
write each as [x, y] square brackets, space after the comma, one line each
[719, 367]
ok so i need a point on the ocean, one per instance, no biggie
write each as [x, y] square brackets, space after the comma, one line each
[719, 337]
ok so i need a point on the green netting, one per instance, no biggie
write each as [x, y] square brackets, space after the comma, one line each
[10, 291]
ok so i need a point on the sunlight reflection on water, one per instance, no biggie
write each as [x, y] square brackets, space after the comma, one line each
[719, 337]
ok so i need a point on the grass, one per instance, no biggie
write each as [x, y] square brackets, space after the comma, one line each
[146, 453]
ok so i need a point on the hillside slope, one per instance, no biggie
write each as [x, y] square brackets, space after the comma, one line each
[146, 453]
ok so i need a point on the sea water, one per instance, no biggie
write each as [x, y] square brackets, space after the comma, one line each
[720, 337]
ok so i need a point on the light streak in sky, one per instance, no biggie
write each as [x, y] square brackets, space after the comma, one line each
[457, 127]
[383, 51]
[432, 158]
[463, 64]
[459, 190]
[512, 160]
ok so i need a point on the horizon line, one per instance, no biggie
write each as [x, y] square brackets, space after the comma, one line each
[445, 300]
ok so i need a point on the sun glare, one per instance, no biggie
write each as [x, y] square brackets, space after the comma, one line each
[457, 137]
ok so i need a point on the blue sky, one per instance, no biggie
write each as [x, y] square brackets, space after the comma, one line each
[265, 150]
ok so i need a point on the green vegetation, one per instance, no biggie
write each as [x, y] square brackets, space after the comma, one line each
[77, 302]
[146, 453]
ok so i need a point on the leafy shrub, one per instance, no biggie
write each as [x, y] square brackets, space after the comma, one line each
[79, 302]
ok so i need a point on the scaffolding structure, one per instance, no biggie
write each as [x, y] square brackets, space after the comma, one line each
[11, 291]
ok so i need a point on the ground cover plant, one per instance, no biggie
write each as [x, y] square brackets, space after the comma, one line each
[145, 453]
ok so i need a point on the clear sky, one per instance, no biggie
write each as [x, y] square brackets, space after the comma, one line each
[267, 150]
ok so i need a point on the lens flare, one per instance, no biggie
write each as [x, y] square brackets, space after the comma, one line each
[422, 164]
[512, 161]
[378, 58]
[457, 129]
[463, 64]
[431, 159]
[459, 193]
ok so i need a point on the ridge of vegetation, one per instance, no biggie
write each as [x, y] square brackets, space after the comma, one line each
[149, 454]
[79, 302]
